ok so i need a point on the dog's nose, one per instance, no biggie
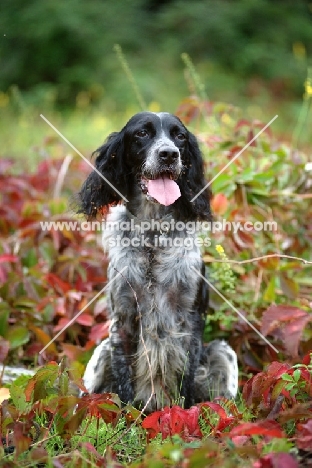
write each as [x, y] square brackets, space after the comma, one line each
[168, 154]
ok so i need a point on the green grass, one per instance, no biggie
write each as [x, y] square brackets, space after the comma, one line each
[129, 445]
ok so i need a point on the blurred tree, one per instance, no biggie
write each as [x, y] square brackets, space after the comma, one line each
[68, 45]
[249, 37]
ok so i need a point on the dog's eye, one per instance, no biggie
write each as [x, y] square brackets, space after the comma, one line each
[141, 133]
[181, 136]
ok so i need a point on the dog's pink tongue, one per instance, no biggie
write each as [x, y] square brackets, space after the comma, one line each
[164, 190]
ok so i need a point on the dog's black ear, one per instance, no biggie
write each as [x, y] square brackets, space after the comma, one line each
[99, 192]
[192, 182]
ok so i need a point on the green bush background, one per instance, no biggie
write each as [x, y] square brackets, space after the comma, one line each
[65, 49]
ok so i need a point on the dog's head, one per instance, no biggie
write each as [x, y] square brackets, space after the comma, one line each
[154, 155]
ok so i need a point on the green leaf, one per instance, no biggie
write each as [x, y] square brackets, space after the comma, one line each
[48, 313]
[297, 375]
[156, 464]
[25, 302]
[30, 259]
[289, 287]
[293, 392]
[47, 251]
[261, 192]
[225, 145]
[287, 377]
[245, 176]
[58, 206]
[293, 266]
[281, 384]
[290, 386]
[4, 318]
[17, 392]
[41, 385]
[264, 177]
[64, 383]
[305, 281]
[223, 183]
[269, 293]
[17, 336]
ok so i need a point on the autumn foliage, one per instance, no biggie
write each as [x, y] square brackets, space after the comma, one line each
[47, 277]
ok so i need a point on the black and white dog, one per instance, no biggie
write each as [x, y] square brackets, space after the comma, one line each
[154, 355]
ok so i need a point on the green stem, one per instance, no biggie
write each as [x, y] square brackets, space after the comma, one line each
[128, 72]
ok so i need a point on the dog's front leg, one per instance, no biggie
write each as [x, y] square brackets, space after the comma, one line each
[195, 345]
[188, 379]
[187, 388]
[121, 368]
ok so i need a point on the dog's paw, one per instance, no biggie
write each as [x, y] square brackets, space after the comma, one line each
[217, 374]
[98, 374]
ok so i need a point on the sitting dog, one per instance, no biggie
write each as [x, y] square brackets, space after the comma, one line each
[157, 298]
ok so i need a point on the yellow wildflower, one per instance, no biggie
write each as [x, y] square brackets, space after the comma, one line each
[219, 249]
[308, 88]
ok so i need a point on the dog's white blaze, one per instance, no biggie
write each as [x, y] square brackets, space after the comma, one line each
[151, 165]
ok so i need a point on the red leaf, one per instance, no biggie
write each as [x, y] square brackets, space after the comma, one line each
[219, 204]
[276, 369]
[276, 460]
[44, 338]
[255, 390]
[264, 428]
[99, 331]
[224, 420]
[239, 440]
[21, 440]
[243, 239]
[304, 435]
[91, 449]
[287, 323]
[85, 319]
[100, 306]
[233, 151]
[152, 424]
[216, 408]
[280, 313]
[57, 283]
[232, 408]
[307, 358]
[39, 454]
[191, 428]
[8, 258]
[3, 275]
[29, 390]
[71, 351]
[105, 406]
[242, 123]
[250, 136]
[63, 322]
[172, 421]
